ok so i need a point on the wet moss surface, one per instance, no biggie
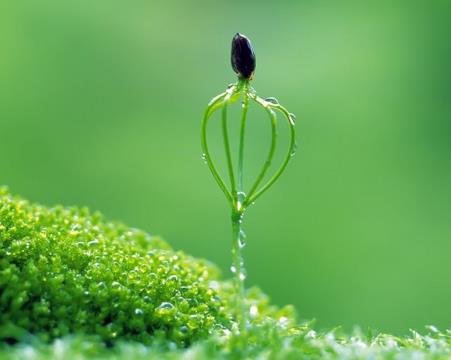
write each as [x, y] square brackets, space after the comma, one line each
[65, 270]
[74, 285]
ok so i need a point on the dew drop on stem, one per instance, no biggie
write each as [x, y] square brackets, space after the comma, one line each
[272, 100]
[241, 197]
[242, 239]
[293, 150]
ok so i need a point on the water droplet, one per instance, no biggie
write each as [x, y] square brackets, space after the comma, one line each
[272, 100]
[283, 321]
[241, 197]
[242, 239]
[184, 329]
[230, 86]
[138, 311]
[253, 311]
[116, 284]
[213, 285]
[242, 276]
[204, 158]
[165, 306]
[293, 150]
[93, 243]
[173, 278]
[292, 118]
[233, 269]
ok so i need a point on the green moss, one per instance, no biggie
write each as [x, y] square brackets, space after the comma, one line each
[65, 270]
[75, 286]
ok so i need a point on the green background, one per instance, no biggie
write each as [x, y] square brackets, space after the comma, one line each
[101, 101]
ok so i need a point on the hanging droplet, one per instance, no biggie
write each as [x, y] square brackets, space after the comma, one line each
[242, 276]
[272, 100]
[293, 150]
[233, 269]
[241, 197]
[242, 239]
[292, 118]
[204, 158]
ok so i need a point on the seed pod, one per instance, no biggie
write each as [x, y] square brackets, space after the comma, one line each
[243, 57]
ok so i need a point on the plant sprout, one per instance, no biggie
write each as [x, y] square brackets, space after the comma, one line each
[239, 198]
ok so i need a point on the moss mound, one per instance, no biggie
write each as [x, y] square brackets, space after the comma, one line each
[74, 286]
[64, 270]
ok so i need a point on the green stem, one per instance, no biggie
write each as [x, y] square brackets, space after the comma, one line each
[211, 108]
[225, 134]
[242, 132]
[238, 269]
[236, 197]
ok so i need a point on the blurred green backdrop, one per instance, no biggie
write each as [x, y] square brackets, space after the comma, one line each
[100, 105]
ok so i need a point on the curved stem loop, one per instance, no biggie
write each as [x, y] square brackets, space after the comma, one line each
[214, 104]
[267, 164]
[291, 149]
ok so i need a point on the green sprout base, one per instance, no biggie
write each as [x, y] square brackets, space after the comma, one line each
[236, 195]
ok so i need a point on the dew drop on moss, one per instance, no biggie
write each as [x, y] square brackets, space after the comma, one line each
[93, 243]
[166, 306]
[116, 284]
[139, 311]
[253, 310]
